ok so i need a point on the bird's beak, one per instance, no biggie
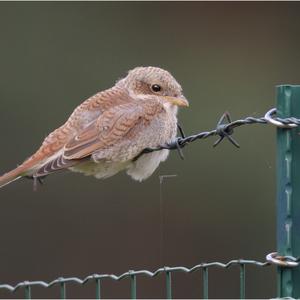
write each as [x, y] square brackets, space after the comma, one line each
[177, 101]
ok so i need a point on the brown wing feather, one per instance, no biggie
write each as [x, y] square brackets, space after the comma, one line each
[111, 128]
[57, 164]
[85, 113]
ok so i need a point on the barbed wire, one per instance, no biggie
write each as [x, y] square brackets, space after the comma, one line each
[225, 129]
[131, 273]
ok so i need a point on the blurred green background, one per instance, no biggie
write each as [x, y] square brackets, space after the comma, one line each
[221, 206]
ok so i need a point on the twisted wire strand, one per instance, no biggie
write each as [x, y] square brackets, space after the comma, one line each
[132, 273]
[226, 130]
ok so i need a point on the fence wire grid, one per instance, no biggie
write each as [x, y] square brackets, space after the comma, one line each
[133, 275]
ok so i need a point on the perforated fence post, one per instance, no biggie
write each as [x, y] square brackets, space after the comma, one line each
[288, 190]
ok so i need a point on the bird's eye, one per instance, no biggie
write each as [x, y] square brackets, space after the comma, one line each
[156, 88]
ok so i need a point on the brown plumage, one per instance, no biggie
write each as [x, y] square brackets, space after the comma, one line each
[107, 131]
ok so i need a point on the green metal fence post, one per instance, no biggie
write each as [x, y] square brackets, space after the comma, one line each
[288, 190]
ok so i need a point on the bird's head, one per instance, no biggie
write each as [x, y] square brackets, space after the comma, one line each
[148, 82]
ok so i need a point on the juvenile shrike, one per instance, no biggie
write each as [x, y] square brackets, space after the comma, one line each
[107, 131]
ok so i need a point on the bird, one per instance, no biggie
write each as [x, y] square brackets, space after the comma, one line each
[108, 131]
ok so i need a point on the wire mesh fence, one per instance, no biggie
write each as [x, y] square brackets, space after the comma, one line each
[287, 212]
[133, 276]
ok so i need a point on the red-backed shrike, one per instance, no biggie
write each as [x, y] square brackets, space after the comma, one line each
[107, 131]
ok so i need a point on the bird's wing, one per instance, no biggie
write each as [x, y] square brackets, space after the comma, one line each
[112, 127]
[84, 114]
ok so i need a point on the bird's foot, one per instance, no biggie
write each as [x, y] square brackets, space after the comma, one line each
[36, 180]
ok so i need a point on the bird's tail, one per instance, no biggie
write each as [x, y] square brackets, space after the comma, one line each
[11, 176]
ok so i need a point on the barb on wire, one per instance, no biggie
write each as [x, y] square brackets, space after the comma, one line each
[225, 129]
